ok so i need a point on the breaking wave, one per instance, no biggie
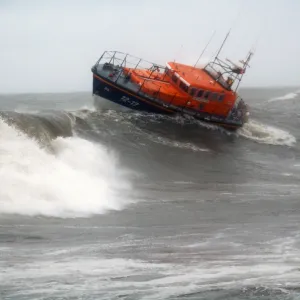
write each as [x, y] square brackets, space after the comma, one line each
[78, 179]
[288, 96]
[41, 126]
[266, 134]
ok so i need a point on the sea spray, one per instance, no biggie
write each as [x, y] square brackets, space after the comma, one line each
[81, 178]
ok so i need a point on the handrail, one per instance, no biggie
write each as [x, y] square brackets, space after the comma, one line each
[113, 54]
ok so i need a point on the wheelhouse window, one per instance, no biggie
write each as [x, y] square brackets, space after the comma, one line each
[183, 86]
[221, 97]
[206, 95]
[200, 93]
[192, 91]
[214, 96]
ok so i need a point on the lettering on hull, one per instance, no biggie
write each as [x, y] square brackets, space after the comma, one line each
[129, 101]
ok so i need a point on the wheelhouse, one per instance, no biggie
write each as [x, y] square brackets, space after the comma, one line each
[197, 90]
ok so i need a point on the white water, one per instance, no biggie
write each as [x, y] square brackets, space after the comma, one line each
[173, 143]
[288, 96]
[78, 272]
[79, 179]
[266, 134]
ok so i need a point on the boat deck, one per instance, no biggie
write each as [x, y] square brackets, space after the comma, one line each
[119, 79]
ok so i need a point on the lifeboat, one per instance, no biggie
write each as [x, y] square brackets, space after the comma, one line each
[208, 94]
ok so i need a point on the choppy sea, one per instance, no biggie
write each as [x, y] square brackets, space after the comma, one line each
[106, 204]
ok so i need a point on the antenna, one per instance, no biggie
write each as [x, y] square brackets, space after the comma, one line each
[222, 44]
[233, 24]
[245, 65]
[204, 49]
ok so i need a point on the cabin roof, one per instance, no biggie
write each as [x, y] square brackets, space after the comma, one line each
[196, 77]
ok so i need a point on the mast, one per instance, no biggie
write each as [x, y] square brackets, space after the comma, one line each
[222, 45]
[204, 49]
[245, 65]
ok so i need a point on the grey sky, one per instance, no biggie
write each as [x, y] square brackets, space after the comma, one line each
[50, 46]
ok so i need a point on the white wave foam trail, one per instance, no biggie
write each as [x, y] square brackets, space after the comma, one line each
[265, 134]
[79, 179]
[176, 144]
[288, 96]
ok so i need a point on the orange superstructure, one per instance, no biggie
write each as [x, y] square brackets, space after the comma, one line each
[187, 86]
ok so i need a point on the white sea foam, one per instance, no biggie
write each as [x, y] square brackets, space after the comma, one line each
[287, 174]
[79, 179]
[176, 144]
[288, 96]
[89, 274]
[84, 111]
[266, 134]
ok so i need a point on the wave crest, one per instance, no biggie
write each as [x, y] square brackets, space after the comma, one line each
[266, 134]
[288, 96]
[79, 179]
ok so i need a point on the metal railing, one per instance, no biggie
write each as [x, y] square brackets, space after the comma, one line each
[126, 60]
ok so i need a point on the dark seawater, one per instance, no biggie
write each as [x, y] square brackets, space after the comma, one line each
[122, 205]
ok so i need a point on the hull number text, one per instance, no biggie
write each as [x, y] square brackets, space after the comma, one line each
[130, 102]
